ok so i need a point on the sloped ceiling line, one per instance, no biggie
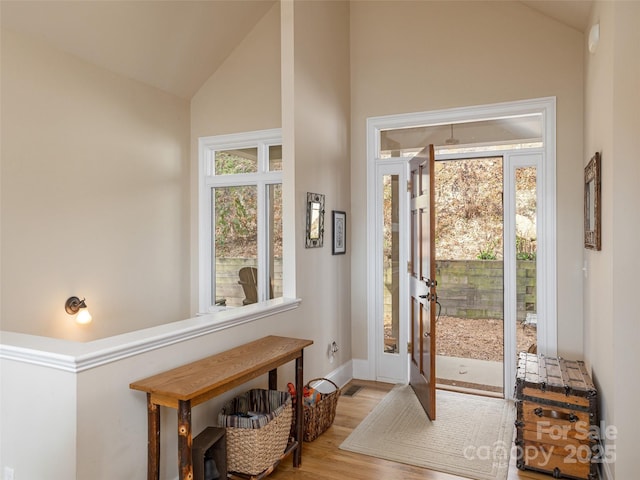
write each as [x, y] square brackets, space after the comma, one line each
[174, 45]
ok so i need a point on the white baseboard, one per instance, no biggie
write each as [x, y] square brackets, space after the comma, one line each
[362, 370]
[340, 376]
[605, 472]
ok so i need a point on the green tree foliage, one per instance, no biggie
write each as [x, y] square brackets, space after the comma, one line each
[469, 209]
[526, 235]
[236, 210]
[236, 221]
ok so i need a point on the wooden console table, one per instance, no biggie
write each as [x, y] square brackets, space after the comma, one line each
[189, 385]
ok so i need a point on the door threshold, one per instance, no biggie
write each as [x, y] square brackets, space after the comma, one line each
[469, 390]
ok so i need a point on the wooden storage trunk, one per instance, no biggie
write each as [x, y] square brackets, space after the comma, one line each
[557, 421]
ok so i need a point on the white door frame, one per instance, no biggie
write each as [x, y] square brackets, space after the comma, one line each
[547, 261]
[395, 362]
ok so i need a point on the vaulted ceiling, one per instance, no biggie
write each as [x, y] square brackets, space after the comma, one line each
[574, 13]
[173, 45]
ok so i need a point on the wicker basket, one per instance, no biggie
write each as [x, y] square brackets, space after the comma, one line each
[319, 417]
[257, 425]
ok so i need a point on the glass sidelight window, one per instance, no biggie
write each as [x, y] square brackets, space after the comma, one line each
[391, 262]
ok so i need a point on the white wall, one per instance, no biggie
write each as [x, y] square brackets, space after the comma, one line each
[422, 56]
[611, 127]
[38, 418]
[112, 419]
[95, 171]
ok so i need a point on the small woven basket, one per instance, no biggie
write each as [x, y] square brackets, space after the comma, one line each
[256, 441]
[319, 417]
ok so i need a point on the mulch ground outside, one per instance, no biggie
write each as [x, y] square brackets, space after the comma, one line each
[481, 339]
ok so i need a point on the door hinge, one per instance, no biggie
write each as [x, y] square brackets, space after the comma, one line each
[409, 267]
[409, 185]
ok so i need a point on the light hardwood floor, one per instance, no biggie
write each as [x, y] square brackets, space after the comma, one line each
[323, 460]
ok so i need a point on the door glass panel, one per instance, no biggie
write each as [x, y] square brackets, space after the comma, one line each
[424, 338]
[235, 244]
[526, 258]
[391, 262]
[415, 332]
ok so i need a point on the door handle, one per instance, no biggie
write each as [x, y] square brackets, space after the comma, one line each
[427, 334]
[424, 296]
[430, 283]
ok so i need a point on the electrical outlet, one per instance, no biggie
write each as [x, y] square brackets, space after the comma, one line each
[8, 473]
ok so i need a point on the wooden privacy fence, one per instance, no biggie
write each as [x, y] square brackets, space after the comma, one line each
[227, 285]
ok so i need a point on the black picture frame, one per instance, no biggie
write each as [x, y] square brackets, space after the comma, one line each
[339, 222]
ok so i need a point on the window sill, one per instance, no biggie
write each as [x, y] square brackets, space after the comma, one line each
[225, 317]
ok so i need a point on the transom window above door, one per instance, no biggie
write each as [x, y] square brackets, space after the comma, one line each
[484, 136]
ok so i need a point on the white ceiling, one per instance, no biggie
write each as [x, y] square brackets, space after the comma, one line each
[174, 45]
[523, 129]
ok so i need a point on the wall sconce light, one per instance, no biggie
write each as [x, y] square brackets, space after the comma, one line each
[74, 306]
[594, 37]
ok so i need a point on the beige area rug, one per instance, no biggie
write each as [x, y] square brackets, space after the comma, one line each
[471, 436]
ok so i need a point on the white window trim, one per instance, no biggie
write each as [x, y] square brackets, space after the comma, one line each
[207, 146]
[547, 262]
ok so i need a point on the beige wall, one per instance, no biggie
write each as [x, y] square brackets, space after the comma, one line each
[598, 296]
[242, 95]
[95, 171]
[64, 120]
[421, 56]
[626, 261]
[313, 110]
[110, 418]
[320, 121]
[611, 127]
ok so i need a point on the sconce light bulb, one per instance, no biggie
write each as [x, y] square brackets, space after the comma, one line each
[83, 316]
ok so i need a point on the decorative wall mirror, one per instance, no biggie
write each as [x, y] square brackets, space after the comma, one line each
[592, 210]
[315, 220]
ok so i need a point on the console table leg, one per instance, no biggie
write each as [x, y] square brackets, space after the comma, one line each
[273, 379]
[297, 454]
[185, 460]
[153, 446]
